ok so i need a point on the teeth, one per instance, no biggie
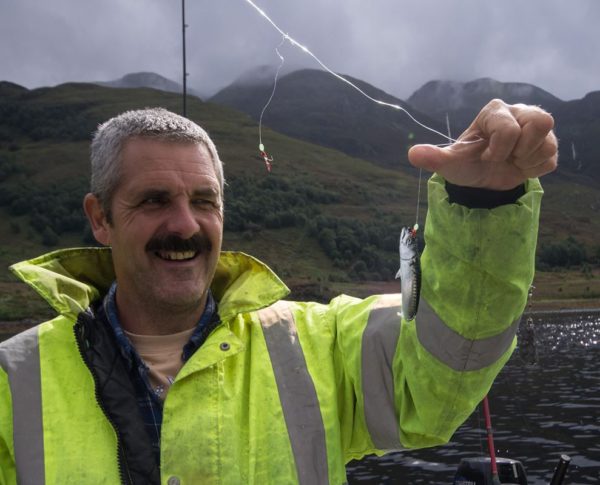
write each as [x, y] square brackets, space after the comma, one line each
[177, 256]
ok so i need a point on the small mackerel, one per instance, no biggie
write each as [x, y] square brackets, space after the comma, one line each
[409, 272]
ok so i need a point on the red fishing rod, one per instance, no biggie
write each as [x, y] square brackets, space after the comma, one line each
[480, 471]
[490, 439]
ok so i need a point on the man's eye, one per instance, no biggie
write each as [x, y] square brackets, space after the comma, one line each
[202, 202]
[153, 201]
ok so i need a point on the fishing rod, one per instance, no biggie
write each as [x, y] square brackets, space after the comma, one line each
[490, 439]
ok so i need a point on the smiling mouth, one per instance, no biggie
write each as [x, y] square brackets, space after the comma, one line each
[176, 255]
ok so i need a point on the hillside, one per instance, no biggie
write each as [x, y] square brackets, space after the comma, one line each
[295, 219]
[578, 126]
[326, 222]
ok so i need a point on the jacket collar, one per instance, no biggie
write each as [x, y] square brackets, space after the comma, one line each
[71, 279]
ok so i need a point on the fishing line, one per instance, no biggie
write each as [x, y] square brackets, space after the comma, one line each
[306, 50]
[282, 60]
[285, 36]
[416, 226]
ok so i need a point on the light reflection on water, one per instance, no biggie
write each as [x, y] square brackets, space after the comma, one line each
[544, 403]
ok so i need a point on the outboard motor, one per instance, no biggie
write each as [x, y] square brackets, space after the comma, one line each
[477, 471]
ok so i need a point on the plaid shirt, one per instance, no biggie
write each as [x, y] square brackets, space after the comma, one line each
[149, 403]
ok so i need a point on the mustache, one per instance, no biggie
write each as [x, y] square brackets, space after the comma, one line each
[172, 242]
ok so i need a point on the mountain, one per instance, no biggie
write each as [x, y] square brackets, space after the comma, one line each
[578, 128]
[147, 80]
[464, 100]
[314, 106]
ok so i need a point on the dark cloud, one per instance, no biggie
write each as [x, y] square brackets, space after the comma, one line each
[396, 45]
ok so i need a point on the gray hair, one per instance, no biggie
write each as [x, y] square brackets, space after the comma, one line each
[156, 123]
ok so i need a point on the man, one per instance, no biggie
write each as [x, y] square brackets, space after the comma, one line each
[172, 362]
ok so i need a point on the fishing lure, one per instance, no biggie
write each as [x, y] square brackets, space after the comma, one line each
[265, 157]
[409, 272]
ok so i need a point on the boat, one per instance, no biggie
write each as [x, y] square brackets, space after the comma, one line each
[492, 470]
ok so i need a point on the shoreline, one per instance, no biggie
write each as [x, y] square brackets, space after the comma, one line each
[563, 311]
[574, 305]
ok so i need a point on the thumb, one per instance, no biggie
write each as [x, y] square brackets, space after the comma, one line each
[428, 157]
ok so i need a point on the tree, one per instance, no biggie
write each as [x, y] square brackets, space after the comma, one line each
[49, 237]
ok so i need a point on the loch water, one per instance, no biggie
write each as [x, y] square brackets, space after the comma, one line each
[544, 403]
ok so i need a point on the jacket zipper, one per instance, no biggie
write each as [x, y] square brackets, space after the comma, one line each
[79, 339]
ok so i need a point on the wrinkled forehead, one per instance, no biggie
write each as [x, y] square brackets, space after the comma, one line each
[154, 158]
[138, 151]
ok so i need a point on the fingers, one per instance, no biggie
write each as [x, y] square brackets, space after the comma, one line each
[549, 165]
[501, 128]
[519, 134]
[535, 125]
[545, 151]
[536, 152]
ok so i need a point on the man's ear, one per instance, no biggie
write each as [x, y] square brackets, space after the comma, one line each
[97, 217]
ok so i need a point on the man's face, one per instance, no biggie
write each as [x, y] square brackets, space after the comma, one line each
[167, 224]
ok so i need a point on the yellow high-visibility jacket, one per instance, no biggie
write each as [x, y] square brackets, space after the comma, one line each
[281, 392]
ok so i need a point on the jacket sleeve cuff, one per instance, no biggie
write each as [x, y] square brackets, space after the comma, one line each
[476, 198]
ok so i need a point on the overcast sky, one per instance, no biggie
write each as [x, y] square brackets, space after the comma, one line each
[397, 45]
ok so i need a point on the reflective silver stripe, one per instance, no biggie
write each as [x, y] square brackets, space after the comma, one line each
[20, 359]
[297, 393]
[379, 342]
[454, 350]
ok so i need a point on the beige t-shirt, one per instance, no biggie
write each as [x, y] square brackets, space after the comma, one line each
[162, 355]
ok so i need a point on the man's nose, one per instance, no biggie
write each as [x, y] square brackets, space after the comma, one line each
[182, 220]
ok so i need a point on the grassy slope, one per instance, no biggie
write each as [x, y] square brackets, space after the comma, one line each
[362, 186]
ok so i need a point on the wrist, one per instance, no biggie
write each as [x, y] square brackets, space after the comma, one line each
[478, 198]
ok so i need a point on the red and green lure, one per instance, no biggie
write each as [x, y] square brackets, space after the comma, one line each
[267, 159]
